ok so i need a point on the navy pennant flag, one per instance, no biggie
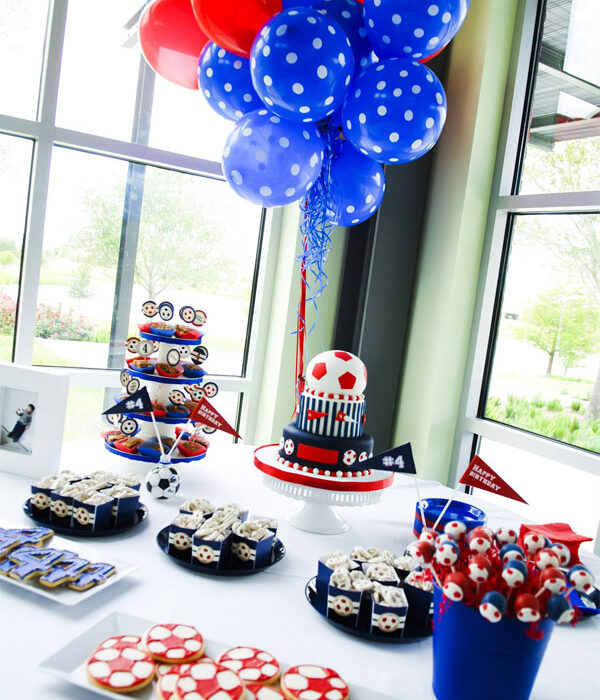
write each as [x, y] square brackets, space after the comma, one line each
[398, 459]
[138, 402]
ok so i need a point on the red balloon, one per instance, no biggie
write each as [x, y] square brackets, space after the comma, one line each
[233, 24]
[171, 41]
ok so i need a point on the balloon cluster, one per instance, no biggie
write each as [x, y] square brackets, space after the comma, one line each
[502, 575]
[322, 91]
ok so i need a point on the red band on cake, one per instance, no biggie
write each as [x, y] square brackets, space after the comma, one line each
[317, 454]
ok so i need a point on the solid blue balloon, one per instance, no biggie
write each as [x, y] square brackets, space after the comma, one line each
[350, 15]
[412, 29]
[271, 161]
[225, 81]
[302, 64]
[357, 185]
[395, 111]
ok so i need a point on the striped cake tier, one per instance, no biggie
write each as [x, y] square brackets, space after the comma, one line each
[331, 415]
[323, 452]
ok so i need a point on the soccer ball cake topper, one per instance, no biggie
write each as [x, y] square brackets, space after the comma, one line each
[336, 372]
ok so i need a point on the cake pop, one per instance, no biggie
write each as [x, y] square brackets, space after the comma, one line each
[479, 543]
[532, 542]
[447, 554]
[427, 536]
[553, 580]
[563, 552]
[444, 537]
[456, 586]
[546, 557]
[493, 606]
[479, 568]
[527, 608]
[559, 609]
[514, 573]
[506, 535]
[512, 552]
[483, 531]
[421, 551]
[581, 579]
[456, 528]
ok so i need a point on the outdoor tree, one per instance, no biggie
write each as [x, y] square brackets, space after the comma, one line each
[562, 323]
[574, 239]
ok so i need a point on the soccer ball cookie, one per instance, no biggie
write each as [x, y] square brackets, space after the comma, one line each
[209, 680]
[174, 643]
[251, 665]
[313, 682]
[120, 670]
[256, 691]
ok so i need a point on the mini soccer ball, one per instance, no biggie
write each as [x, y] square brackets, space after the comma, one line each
[336, 372]
[162, 482]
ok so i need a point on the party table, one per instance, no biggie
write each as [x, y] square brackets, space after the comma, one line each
[267, 610]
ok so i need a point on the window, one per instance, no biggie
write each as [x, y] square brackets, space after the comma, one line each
[531, 403]
[114, 196]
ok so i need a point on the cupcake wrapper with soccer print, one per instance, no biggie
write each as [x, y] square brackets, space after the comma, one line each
[390, 620]
[61, 509]
[180, 542]
[39, 502]
[251, 554]
[87, 516]
[211, 553]
[344, 606]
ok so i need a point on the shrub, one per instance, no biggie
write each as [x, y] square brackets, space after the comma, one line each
[80, 286]
[554, 405]
[52, 322]
[538, 401]
[8, 309]
[576, 406]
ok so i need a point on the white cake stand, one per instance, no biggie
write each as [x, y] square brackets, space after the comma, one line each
[321, 495]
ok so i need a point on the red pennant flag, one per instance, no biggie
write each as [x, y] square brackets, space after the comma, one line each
[482, 476]
[207, 414]
[315, 415]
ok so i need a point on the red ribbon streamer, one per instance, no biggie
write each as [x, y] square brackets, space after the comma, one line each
[300, 339]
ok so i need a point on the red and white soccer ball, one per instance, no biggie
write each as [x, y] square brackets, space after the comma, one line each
[336, 372]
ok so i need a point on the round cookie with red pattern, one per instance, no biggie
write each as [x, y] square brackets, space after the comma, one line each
[174, 643]
[120, 670]
[307, 682]
[256, 691]
[209, 680]
[121, 641]
[251, 665]
[167, 679]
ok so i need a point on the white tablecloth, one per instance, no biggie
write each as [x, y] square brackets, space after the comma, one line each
[267, 610]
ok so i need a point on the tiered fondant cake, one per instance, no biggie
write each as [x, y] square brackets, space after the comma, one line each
[328, 435]
[167, 362]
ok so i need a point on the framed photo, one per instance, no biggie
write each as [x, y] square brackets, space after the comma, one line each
[33, 404]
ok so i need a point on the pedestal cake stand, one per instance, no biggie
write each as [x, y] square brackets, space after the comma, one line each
[321, 495]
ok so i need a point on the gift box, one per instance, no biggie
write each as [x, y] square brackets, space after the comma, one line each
[389, 619]
[420, 606]
[343, 605]
[126, 501]
[250, 553]
[211, 553]
[39, 502]
[95, 513]
[324, 574]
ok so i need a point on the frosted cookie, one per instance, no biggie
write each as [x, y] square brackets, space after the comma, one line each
[308, 682]
[8, 541]
[251, 665]
[120, 641]
[31, 562]
[69, 568]
[120, 670]
[174, 643]
[209, 680]
[94, 575]
[256, 691]
[36, 536]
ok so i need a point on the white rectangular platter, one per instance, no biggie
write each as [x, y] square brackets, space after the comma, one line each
[67, 596]
[68, 663]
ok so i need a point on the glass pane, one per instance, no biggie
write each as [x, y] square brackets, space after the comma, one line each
[182, 121]
[22, 33]
[15, 166]
[79, 263]
[98, 73]
[187, 239]
[555, 492]
[546, 370]
[563, 149]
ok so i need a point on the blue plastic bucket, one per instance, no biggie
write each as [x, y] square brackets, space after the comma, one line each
[457, 510]
[474, 658]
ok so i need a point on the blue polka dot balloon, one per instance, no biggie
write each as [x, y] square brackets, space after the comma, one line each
[271, 161]
[395, 111]
[357, 185]
[350, 15]
[302, 64]
[409, 29]
[224, 79]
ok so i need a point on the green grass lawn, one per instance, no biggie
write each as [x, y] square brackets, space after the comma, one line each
[41, 355]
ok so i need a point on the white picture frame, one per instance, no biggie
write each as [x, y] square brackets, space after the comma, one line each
[35, 448]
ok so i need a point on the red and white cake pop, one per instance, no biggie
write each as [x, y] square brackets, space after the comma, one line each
[563, 552]
[444, 537]
[506, 535]
[493, 606]
[447, 554]
[427, 536]
[122, 670]
[581, 579]
[456, 586]
[514, 573]
[314, 683]
[512, 552]
[527, 608]
[482, 531]
[421, 551]
[546, 557]
[553, 580]
[456, 528]
[209, 680]
[532, 542]
[478, 543]
[174, 643]
[251, 665]
[479, 568]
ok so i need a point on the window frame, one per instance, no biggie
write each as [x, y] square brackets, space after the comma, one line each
[504, 205]
[45, 136]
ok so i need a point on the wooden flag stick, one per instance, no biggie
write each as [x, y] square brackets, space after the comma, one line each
[445, 508]
[162, 449]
